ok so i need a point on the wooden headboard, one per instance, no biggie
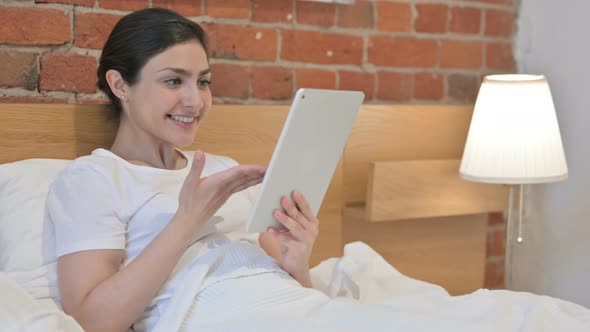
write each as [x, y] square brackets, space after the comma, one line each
[396, 186]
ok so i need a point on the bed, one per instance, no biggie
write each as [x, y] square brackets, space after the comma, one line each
[39, 140]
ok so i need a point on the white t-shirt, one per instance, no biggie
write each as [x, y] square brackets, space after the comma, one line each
[102, 201]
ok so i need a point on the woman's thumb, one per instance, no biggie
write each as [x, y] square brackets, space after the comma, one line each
[197, 166]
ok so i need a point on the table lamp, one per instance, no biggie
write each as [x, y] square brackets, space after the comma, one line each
[514, 139]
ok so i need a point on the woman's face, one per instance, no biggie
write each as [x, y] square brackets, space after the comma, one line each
[172, 94]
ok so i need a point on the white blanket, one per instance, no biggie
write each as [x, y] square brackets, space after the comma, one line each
[359, 292]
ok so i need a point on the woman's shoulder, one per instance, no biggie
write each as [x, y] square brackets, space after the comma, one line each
[88, 168]
[92, 163]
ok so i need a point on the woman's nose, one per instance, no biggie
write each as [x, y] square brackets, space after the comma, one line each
[192, 97]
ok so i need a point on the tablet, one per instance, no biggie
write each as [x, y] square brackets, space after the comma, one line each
[307, 152]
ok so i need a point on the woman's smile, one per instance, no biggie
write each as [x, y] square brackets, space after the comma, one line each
[185, 122]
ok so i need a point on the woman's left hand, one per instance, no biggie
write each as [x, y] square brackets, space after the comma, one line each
[297, 240]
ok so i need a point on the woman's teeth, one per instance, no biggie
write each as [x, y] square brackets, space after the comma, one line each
[182, 118]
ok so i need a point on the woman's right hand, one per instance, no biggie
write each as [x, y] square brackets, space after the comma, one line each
[200, 197]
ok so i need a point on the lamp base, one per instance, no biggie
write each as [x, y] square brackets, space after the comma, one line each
[510, 240]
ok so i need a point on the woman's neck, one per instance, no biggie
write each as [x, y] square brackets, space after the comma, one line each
[141, 148]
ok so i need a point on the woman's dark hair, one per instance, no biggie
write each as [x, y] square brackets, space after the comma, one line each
[138, 37]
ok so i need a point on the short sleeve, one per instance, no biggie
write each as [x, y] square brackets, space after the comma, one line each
[83, 207]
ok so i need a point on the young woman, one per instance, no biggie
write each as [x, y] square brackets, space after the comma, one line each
[130, 219]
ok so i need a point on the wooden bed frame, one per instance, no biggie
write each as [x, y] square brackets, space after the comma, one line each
[438, 240]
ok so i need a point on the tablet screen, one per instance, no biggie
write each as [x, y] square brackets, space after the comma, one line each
[307, 152]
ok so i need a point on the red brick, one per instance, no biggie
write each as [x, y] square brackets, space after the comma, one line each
[280, 11]
[489, 244]
[355, 81]
[323, 48]
[394, 86]
[466, 20]
[123, 5]
[496, 243]
[431, 18]
[65, 72]
[496, 218]
[321, 14]
[429, 86]
[499, 23]
[85, 3]
[494, 275]
[230, 81]
[92, 30]
[272, 83]
[244, 43]
[359, 15]
[32, 100]
[392, 16]
[18, 69]
[314, 78]
[211, 32]
[499, 56]
[463, 87]
[184, 7]
[34, 26]
[228, 8]
[461, 54]
[402, 52]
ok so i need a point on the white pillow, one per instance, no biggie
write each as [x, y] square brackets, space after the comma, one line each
[27, 246]
[21, 312]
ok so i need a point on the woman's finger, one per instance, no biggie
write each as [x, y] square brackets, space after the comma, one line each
[293, 226]
[237, 172]
[250, 183]
[304, 207]
[292, 211]
[224, 191]
[245, 181]
[238, 180]
[197, 166]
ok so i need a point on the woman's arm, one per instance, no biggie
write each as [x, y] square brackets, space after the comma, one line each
[103, 298]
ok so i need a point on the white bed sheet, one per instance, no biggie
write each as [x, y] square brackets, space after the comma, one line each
[365, 293]
[19, 311]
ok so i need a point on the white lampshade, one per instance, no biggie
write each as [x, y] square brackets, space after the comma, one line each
[514, 136]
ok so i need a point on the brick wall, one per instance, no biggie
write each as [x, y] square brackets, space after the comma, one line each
[405, 51]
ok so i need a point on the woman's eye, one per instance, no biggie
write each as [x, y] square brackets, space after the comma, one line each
[173, 81]
[203, 83]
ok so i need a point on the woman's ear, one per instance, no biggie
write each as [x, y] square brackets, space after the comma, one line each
[117, 84]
